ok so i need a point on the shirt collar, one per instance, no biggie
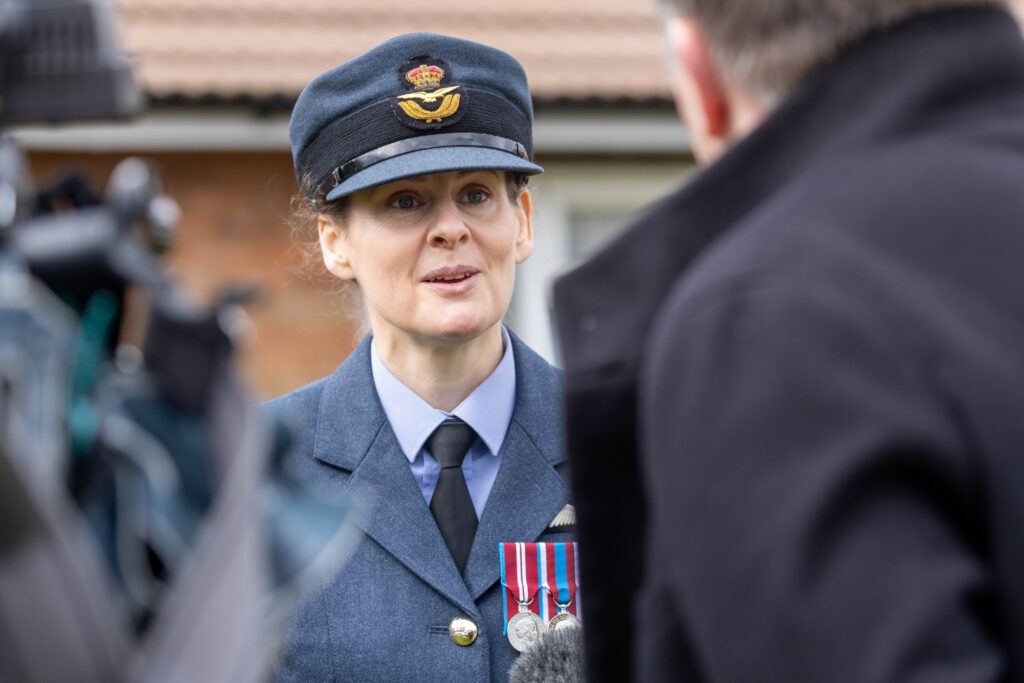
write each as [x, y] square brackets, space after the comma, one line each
[488, 409]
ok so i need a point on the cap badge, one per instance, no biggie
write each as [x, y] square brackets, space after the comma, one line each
[425, 77]
[429, 105]
[449, 105]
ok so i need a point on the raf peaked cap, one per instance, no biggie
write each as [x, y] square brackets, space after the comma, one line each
[419, 103]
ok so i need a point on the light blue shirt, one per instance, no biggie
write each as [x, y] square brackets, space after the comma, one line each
[488, 410]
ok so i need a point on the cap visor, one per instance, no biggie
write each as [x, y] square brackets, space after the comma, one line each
[436, 160]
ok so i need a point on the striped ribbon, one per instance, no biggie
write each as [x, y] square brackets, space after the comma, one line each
[528, 567]
[559, 578]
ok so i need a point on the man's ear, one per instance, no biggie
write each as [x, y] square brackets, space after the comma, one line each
[700, 96]
[334, 247]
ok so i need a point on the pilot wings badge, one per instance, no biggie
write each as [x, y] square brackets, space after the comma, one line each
[449, 105]
[432, 102]
[564, 520]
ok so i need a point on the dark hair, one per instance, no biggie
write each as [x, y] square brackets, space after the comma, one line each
[769, 46]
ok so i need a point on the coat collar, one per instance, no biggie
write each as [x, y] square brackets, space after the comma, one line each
[349, 416]
[353, 434]
[528, 492]
[929, 68]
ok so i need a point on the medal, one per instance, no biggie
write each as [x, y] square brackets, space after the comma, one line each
[564, 620]
[545, 569]
[524, 629]
[560, 585]
[521, 577]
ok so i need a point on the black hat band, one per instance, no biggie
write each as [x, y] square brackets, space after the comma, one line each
[375, 128]
[395, 149]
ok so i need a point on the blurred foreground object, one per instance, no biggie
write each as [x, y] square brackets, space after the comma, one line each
[60, 62]
[556, 658]
[802, 389]
[150, 526]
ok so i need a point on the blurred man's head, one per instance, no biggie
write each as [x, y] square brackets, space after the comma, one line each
[736, 59]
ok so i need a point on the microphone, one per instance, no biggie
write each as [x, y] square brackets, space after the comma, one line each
[556, 658]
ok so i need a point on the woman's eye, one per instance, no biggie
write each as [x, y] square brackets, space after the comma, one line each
[475, 196]
[404, 202]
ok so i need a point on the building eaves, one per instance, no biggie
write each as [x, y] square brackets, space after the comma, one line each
[266, 50]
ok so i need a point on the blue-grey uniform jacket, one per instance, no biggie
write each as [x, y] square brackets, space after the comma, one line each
[385, 616]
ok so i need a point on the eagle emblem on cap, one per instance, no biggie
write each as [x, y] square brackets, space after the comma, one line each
[431, 103]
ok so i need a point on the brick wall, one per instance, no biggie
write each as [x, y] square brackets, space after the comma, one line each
[235, 230]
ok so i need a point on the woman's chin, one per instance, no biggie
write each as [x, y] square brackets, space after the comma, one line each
[462, 328]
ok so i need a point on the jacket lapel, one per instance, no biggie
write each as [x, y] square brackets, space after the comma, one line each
[528, 492]
[353, 434]
[401, 521]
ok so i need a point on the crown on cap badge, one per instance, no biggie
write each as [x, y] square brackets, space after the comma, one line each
[425, 77]
[429, 105]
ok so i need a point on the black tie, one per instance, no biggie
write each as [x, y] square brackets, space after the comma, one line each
[451, 505]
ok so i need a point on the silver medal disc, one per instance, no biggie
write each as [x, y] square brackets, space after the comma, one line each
[524, 630]
[564, 620]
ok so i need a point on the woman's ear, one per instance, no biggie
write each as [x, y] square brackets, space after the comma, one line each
[524, 233]
[334, 247]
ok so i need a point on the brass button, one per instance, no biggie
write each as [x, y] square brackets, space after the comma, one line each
[463, 630]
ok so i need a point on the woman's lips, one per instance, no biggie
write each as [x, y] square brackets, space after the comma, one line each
[451, 280]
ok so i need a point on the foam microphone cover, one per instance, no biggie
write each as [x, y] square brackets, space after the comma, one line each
[556, 658]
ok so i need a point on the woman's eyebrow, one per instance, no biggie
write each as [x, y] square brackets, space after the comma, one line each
[469, 171]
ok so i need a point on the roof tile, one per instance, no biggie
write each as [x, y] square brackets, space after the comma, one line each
[605, 49]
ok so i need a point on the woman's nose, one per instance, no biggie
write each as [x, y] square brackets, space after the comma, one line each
[449, 228]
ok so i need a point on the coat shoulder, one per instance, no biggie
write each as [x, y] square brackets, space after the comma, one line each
[536, 372]
[539, 402]
[297, 408]
[297, 412]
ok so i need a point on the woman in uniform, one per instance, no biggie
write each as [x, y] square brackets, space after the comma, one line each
[415, 158]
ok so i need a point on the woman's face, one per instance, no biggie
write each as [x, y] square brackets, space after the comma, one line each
[434, 255]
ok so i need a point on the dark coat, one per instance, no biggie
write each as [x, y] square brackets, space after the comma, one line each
[385, 616]
[825, 331]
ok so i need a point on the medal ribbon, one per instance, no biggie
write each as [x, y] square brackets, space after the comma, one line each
[577, 599]
[521, 572]
[559, 583]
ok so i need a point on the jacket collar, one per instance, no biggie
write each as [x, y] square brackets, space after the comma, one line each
[893, 83]
[347, 421]
[349, 416]
[487, 409]
[528, 492]
[353, 434]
